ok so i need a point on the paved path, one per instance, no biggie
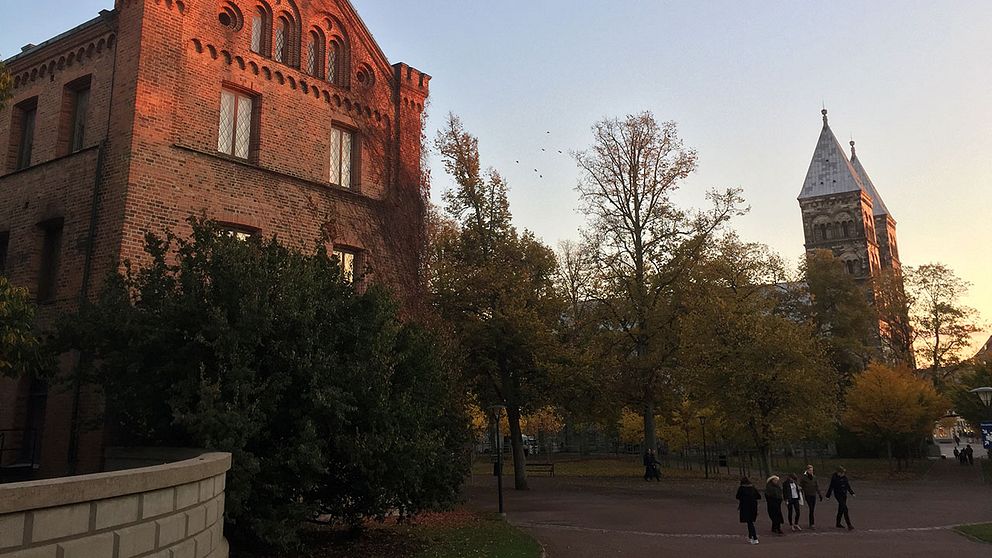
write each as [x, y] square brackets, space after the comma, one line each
[598, 518]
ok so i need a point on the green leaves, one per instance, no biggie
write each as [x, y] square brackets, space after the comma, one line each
[328, 402]
[22, 349]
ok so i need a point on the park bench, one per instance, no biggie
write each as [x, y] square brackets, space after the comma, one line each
[548, 468]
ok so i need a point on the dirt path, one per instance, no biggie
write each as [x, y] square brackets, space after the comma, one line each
[596, 518]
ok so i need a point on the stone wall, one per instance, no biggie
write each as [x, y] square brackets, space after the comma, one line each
[166, 511]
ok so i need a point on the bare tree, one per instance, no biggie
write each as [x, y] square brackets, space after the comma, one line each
[641, 243]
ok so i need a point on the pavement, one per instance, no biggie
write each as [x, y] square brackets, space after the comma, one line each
[599, 518]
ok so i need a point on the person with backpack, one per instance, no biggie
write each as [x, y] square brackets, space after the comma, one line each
[811, 492]
[747, 504]
[840, 487]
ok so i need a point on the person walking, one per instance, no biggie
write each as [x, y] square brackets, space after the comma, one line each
[811, 492]
[793, 499]
[840, 487]
[773, 498]
[747, 504]
[652, 470]
[970, 453]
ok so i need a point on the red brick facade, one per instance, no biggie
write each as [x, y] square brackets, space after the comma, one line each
[150, 158]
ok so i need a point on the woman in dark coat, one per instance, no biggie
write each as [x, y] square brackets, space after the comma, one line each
[748, 496]
[773, 494]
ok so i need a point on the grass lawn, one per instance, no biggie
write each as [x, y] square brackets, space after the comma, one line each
[444, 535]
[571, 466]
[982, 532]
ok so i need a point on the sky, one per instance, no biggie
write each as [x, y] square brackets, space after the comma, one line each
[745, 80]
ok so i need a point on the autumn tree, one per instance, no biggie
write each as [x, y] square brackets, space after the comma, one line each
[943, 323]
[893, 304]
[892, 406]
[764, 373]
[839, 309]
[640, 245]
[23, 350]
[494, 288]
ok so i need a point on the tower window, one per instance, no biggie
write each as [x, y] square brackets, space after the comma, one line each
[75, 109]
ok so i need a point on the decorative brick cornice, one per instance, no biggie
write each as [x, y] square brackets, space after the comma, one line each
[65, 59]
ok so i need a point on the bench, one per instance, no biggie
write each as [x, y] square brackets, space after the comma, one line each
[548, 468]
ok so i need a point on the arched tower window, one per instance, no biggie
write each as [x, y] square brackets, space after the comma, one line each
[847, 232]
[830, 232]
[315, 54]
[282, 42]
[850, 267]
[334, 56]
[261, 30]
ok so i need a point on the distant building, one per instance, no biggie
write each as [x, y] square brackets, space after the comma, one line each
[984, 354]
[277, 118]
[844, 213]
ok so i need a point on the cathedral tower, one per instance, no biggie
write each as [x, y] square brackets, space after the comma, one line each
[844, 213]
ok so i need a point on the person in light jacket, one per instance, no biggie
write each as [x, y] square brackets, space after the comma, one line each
[840, 487]
[747, 504]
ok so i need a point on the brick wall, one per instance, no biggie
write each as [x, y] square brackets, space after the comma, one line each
[166, 511]
[156, 71]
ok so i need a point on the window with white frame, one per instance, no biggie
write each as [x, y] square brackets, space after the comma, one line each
[235, 127]
[342, 146]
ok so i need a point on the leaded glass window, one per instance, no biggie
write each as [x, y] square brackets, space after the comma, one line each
[280, 44]
[257, 23]
[312, 57]
[341, 157]
[332, 62]
[234, 130]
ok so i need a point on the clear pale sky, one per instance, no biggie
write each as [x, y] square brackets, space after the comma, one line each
[910, 81]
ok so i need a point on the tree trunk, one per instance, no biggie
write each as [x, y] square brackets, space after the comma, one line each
[650, 432]
[888, 450]
[516, 442]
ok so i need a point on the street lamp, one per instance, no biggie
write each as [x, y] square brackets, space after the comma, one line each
[706, 458]
[985, 394]
[497, 409]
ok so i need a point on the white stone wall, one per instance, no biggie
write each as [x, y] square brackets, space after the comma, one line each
[167, 511]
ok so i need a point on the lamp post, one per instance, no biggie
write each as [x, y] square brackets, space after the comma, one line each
[497, 409]
[985, 394]
[706, 458]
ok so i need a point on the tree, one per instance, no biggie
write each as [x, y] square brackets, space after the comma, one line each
[763, 372]
[838, 307]
[943, 323]
[893, 304]
[6, 85]
[494, 288]
[641, 244]
[23, 351]
[968, 404]
[329, 404]
[892, 406]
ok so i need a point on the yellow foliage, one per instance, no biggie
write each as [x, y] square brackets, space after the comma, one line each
[545, 420]
[889, 402]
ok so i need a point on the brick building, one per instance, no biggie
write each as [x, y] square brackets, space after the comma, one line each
[272, 117]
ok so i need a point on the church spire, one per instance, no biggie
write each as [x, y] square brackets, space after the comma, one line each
[854, 154]
[824, 113]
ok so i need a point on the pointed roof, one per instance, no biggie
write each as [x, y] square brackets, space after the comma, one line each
[877, 205]
[829, 172]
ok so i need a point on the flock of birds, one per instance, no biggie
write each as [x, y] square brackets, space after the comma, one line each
[545, 150]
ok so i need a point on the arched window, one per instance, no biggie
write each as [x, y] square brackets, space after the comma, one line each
[261, 30]
[850, 266]
[315, 54]
[847, 232]
[334, 56]
[830, 232]
[283, 40]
